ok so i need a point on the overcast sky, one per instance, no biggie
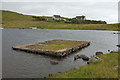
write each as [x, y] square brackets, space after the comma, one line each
[59, 0]
[92, 9]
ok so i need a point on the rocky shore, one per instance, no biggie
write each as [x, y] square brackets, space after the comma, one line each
[98, 66]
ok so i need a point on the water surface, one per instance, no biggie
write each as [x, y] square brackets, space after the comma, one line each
[18, 64]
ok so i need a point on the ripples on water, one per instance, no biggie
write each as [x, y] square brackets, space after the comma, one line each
[19, 64]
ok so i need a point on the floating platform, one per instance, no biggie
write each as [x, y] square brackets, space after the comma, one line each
[59, 48]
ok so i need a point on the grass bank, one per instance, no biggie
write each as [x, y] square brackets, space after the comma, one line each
[99, 69]
[16, 20]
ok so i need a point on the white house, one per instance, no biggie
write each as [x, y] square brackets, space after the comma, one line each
[80, 17]
[57, 17]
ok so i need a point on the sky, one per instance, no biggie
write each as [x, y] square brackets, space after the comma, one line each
[106, 10]
[59, 0]
[119, 11]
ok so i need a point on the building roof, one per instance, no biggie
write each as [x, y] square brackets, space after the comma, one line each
[80, 16]
[57, 16]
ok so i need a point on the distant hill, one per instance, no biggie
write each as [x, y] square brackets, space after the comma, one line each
[13, 16]
[13, 19]
[16, 20]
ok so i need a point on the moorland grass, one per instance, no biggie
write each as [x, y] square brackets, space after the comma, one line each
[15, 20]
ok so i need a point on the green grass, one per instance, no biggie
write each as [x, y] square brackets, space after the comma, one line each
[60, 45]
[99, 69]
[16, 20]
[54, 46]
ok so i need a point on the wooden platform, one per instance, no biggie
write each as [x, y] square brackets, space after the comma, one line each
[59, 48]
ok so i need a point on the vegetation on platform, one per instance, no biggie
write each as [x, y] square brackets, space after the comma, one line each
[58, 45]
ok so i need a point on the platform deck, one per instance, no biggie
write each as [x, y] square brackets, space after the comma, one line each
[59, 48]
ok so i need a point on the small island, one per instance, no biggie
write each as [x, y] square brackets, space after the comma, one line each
[59, 48]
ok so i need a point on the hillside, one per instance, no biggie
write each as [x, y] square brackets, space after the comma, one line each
[15, 20]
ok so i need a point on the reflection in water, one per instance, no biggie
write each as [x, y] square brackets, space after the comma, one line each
[19, 64]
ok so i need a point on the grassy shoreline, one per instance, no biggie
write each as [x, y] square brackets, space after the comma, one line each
[16, 20]
[99, 69]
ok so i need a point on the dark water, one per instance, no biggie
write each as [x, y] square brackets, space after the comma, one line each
[17, 64]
